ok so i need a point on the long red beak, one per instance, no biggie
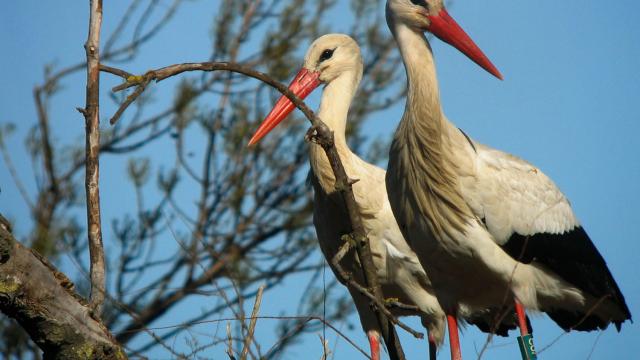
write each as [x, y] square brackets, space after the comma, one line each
[302, 85]
[446, 29]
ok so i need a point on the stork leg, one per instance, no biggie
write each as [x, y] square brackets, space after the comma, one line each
[522, 319]
[525, 340]
[374, 344]
[454, 340]
[432, 348]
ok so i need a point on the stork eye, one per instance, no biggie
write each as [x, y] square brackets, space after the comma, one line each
[326, 55]
[422, 3]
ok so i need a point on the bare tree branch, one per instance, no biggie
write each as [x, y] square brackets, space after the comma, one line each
[323, 136]
[252, 325]
[382, 306]
[91, 113]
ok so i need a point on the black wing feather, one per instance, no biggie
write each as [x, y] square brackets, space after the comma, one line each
[574, 258]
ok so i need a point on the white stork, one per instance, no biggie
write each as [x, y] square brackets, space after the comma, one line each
[487, 226]
[335, 60]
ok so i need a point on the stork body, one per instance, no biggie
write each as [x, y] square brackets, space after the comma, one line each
[531, 220]
[398, 270]
[335, 60]
[488, 227]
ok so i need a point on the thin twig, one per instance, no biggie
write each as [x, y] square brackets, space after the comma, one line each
[303, 319]
[325, 348]
[500, 316]
[382, 305]
[595, 343]
[43, 121]
[221, 263]
[130, 99]
[121, 306]
[14, 175]
[115, 71]
[230, 343]
[252, 324]
[342, 252]
[586, 315]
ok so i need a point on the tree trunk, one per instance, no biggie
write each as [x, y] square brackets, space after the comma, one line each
[41, 299]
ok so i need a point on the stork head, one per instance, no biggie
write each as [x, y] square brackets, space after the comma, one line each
[330, 57]
[431, 16]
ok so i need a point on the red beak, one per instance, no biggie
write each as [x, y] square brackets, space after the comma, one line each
[446, 29]
[302, 85]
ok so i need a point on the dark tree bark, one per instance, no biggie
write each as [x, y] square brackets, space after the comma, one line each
[42, 300]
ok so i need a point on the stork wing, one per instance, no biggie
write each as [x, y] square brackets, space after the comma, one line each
[533, 221]
[514, 197]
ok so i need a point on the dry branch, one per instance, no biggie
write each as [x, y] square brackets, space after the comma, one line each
[323, 136]
[92, 149]
[41, 299]
[230, 343]
[383, 306]
[252, 324]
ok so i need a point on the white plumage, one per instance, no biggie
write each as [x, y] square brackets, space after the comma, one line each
[335, 60]
[514, 196]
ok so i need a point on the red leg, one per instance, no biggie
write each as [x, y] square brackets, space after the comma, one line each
[525, 340]
[374, 344]
[433, 348]
[522, 319]
[454, 341]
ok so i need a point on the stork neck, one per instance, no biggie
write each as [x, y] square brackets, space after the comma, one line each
[423, 94]
[421, 149]
[334, 107]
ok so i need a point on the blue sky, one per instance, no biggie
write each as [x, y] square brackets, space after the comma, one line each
[568, 104]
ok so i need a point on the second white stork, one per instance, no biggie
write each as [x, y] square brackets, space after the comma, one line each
[335, 60]
[486, 225]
